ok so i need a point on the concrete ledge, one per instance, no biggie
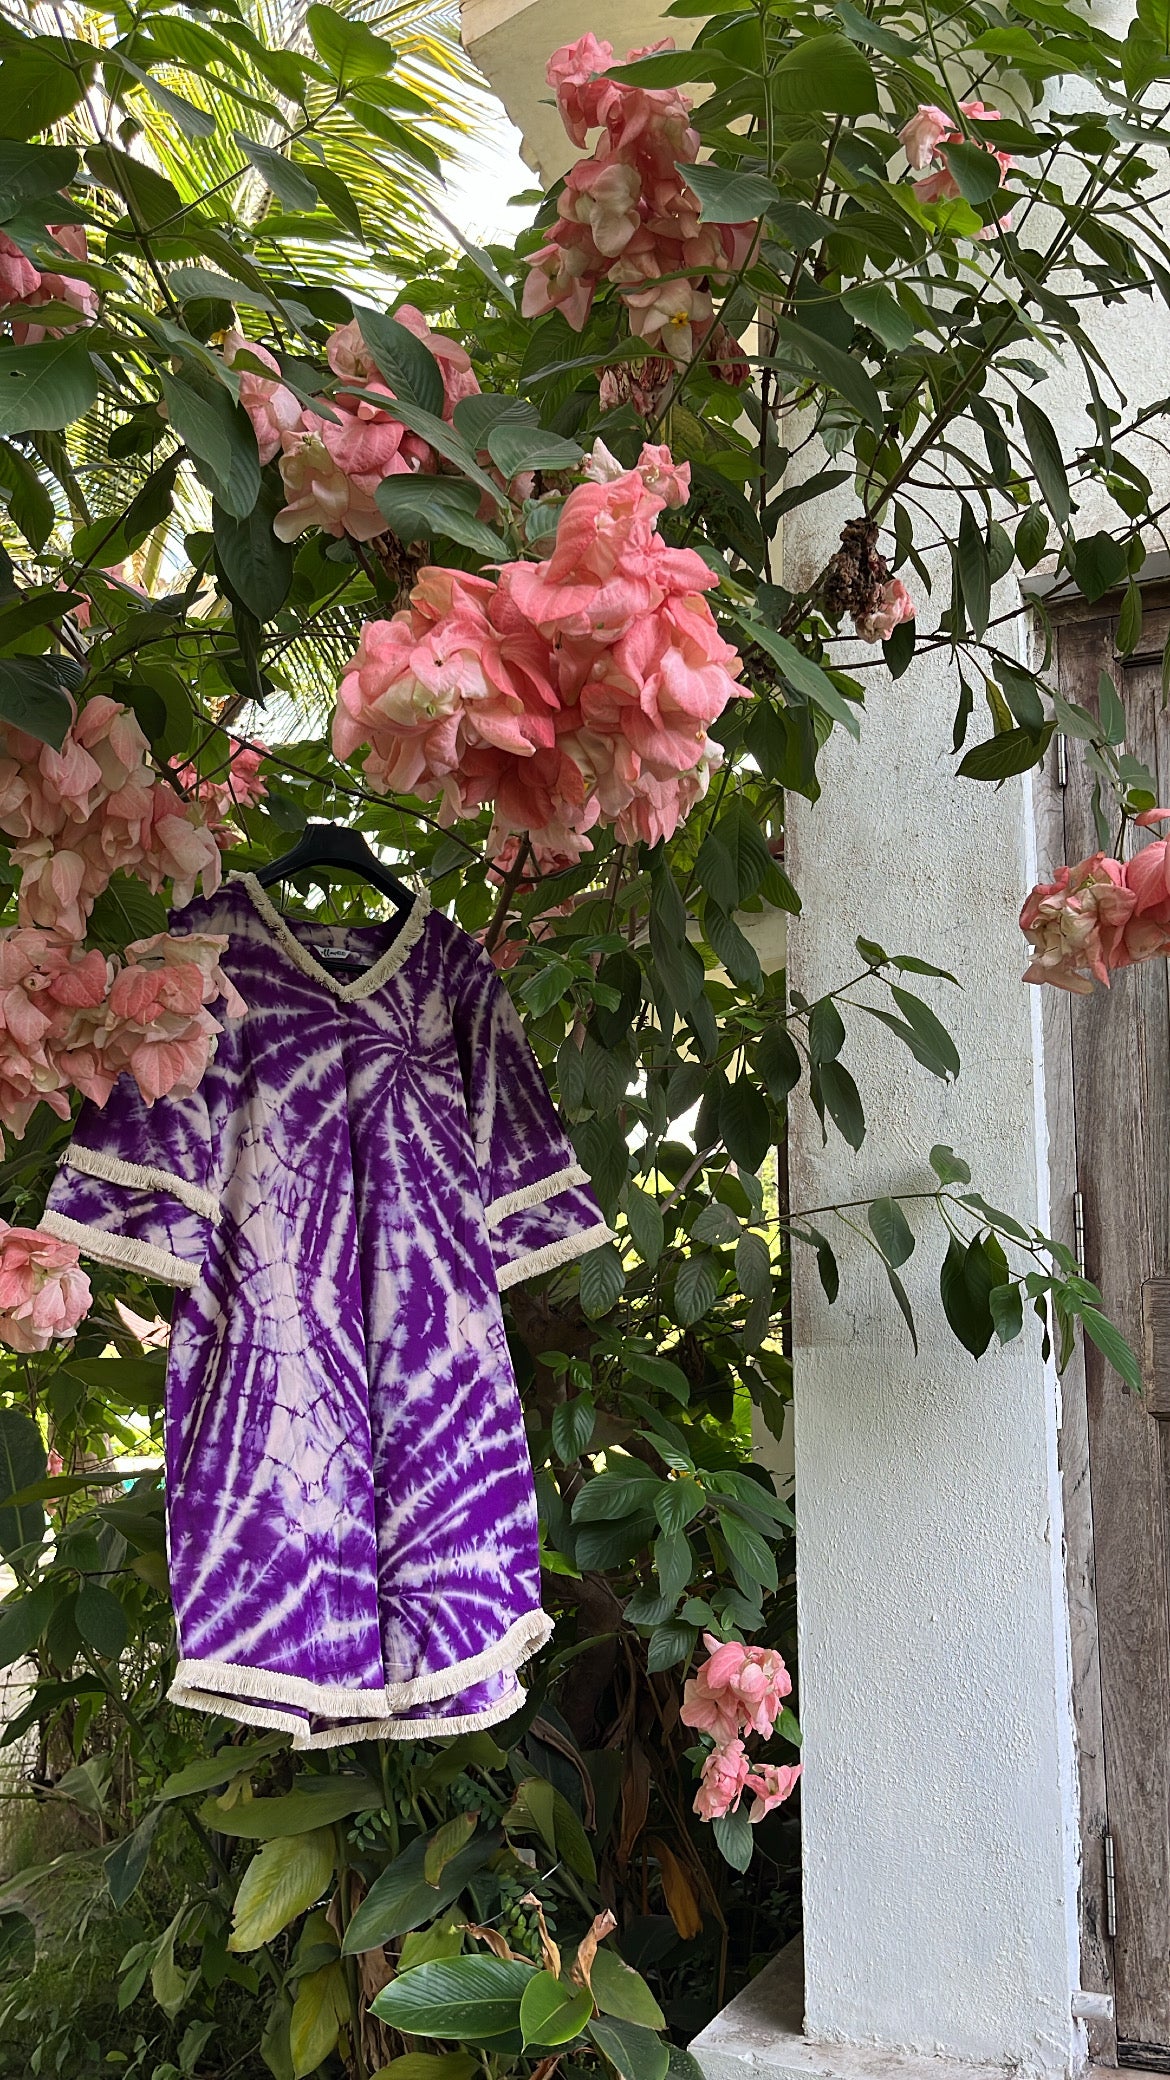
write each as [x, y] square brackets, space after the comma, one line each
[760, 2036]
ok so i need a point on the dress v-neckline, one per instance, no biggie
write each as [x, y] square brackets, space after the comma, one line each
[363, 985]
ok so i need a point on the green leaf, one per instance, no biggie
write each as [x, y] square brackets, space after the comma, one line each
[285, 1878]
[875, 307]
[101, 1620]
[602, 1280]
[192, 121]
[891, 1231]
[622, 1992]
[446, 1842]
[1112, 1346]
[515, 446]
[965, 1295]
[669, 1644]
[745, 1124]
[33, 698]
[320, 2008]
[826, 1031]
[125, 1864]
[257, 568]
[1099, 564]
[976, 170]
[1047, 461]
[635, 2053]
[441, 436]
[400, 1898]
[733, 1838]
[573, 1425]
[404, 361]
[348, 47]
[677, 965]
[727, 195]
[825, 75]
[29, 171]
[25, 496]
[839, 370]
[999, 758]
[778, 1063]
[974, 567]
[903, 1299]
[429, 2065]
[42, 79]
[843, 1102]
[1032, 537]
[289, 183]
[645, 1223]
[663, 69]
[695, 1288]
[208, 1772]
[45, 387]
[420, 505]
[803, 674]
[935, 1046]
[218, 433]
[22, 1461]
[551, 2012]
[315, 1802]
[470, 1999]
[753, 1562]
[1007, 1311]
[611, 1495]
[23, 1622]
[947, 1166]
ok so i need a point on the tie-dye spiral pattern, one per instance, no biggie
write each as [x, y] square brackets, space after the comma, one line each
[366, 1164]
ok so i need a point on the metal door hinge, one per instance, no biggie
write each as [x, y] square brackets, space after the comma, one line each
[1079, 1231]
[1110, 1889]
[1061, 762]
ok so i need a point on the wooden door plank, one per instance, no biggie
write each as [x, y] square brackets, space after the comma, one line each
[1121, 1067]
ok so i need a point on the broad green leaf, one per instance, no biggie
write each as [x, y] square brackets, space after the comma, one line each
[622, 1992]
[976, 171]
[803, 674]
[289, 183]
[947, 1166]
[350, 49]
[257, 567]
[609, 1495]
[934, 1040]
[734, 1839]
[891, 1231]
[429, 2065]
[875, 307]
[1047, 460]
[208, 1772]
[101, 1620]
[669, 1644]
[1012, 751]
[34, 698]
[825, 75]
[843, 1102]
[1007, 1311]
[695, 1288]
[42, 78]
[753, 1562]
[974, 569]
[635, 2053]
[551, 2012]
[446, 1843]
[320, 2008]
[1099, 564]
[778, 1063]
[22, 1461]
[218, 433]
[965, 1305]
[28, 171]
[25, 496]
[23, 1621]
[283, 1880]
[573, 1425]
[662, 69]
[602, 1281]
[515, 446]
[45, 387]
[834, 367]
[316, 1802]
[125, 1864]
[441, 436]
[403, 360]
[903, 1299]
[745, 1125]
[421, 505]
[469, 1999]
[727, 195]
[1112, 1346]
[645, 1223]
[192, 121]
[826, 1031]
[400, 1898]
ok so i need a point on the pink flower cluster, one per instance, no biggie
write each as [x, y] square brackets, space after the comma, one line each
[563, 693]
[1100, 915]
[738, 1690]
[43, 1292]
[240, 788]
[625, 214]
[23, 287]
[72, 1020]
[925, 138]
[95, 808]
[332, 467]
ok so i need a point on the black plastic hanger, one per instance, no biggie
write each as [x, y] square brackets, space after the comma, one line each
[336, 845]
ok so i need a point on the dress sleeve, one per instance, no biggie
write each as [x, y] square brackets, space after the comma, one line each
[538, 1201]
[134, 1187]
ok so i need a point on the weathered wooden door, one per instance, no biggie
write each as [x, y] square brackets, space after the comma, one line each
[1111, 1200]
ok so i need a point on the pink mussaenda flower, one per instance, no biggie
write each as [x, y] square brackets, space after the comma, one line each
[240, 788]
[19, 279]
[893, 605]
[772, 1783]
[921, 137]
[271, 406]
[723, 1779]
[926, 137]
[739, 1689]
[44, 1293]
[1075, 924]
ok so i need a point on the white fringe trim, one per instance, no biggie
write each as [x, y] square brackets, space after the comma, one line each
[346, 992]
[121, 1250]
[334, 1701]
[233, 1708]
[535, 1194]
[412, 1729]
[142, 1177]
[553, 1255]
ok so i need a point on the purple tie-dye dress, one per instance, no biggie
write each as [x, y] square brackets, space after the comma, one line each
[365, 1166]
